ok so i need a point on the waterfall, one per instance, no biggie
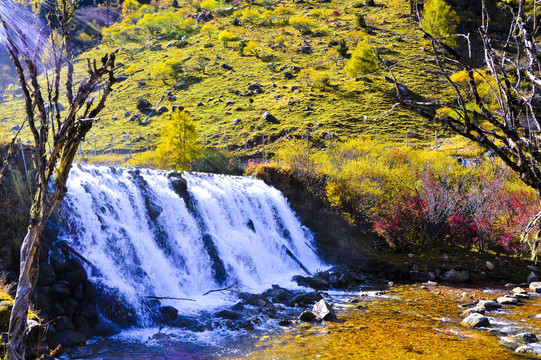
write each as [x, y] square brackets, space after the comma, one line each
[162, 234]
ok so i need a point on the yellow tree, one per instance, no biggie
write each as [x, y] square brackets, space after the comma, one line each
[363, 60]
[178, 142]
[439, 20]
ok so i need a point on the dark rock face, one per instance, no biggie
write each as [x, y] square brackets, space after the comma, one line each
[307, 316]
[69, 338]
[228, 314]
[218, 267]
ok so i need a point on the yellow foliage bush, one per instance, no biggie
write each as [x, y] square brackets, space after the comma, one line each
[363, 60]
[314, 78]
[302, 23]
[227, 37]
[209, 4]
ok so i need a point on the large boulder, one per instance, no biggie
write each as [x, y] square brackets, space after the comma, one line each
[532, 277]
[507, 300]
[531, 349]
[228, 314]
[526, 338]
[456, 276]
[476, 320]
[307, 316]
[488, 305]
[324, 311]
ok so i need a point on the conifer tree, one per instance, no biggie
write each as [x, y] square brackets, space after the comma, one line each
[363, 60]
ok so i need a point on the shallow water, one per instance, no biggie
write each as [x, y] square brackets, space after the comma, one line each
[406, 322]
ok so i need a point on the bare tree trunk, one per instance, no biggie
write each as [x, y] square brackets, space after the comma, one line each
[16, 346]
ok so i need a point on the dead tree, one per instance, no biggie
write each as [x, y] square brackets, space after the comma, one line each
[57, 134]
[504, 119]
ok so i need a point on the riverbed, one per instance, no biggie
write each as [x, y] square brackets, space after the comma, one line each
[402, 322]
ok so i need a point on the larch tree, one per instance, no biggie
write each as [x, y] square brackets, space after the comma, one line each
[57, 134]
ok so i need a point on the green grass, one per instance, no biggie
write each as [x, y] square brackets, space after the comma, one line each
[351, 108]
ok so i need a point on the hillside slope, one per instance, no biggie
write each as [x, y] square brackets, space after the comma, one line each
[214, 81]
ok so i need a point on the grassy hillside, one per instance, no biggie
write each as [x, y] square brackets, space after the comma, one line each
[346, 107]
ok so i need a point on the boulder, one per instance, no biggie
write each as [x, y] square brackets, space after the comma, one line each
[422, 276]
[284, 322]
[476, 320]
[529, 350]
[507, 300]
[160, 337]
[535, 286]
[489, 266]
[307, 316]
[488, 305]
[228, 314]
[63, 323]
[162, 109]
[46, 274]
[167, 313]
[267, 116]
[69, 338]
[456, 276]
[519, 290]
[227, 66]
[324, 311]
[526, 338]
[531, 277]
[473, 310]
[288, 75]
[313, 282]
[60, 290]
[104, 327]
[80, 352]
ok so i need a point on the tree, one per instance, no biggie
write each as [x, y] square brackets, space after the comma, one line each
[227, 37]
[56, 135]
[439, 20]
[496, 106]
[178, 142]
[363, 60]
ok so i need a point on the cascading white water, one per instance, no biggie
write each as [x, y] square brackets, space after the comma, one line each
[146, 241]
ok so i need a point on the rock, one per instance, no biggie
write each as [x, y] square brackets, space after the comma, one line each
[313, 282]
[535, 286]
[519, 290]
[69, 338]
[267, 116]
[489, 266]
[531, 277]
[63, 323]
[160, 337]
[104, 327]
[422, 276]
[81, 325]
[488, 305]
[324, 311]
[168, 313]
[46, 274]
[89, 311]
[284, 322]
[306, 49]
[228, 314]
[199, 104]
[476, 320]
[229, 102]
[60, 290]
[475, 309]
[155, 47]
[178, 107]
[162, 110]
[288, 75]
[403, 89]
[254, 86]
[529, 349]
[507, 300]
[307, 316]
[15, 128]
[526, 338]
[238, 306]
[75, 277]
[226, 67]
[456, 276]
[80, 352]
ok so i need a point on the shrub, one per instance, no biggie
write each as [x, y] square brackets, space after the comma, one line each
[226, 37]
[169, 68]
[342, 48]
[143, 105]
[209, 4]
[314, 78]
[302, 23]
[369, 2]
[363, 60]
[360, 20]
